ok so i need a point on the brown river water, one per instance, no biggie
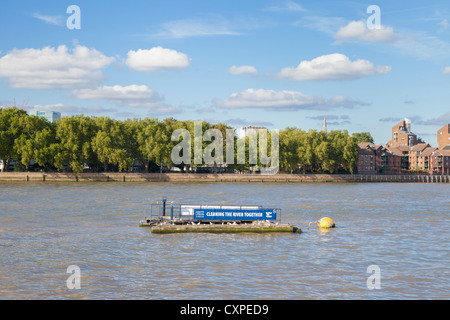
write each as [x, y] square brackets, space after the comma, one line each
[402, 229]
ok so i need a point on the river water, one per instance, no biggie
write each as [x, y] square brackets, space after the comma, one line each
[402, 229]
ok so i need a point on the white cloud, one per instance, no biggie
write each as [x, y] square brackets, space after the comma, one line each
[53, 68]
[283, 101]
[358, 31]
[333, 120]
[165, 109]
[54, 20]
[242, 70]
[206, 110]
[334, 66]
[423, 46]
[444, 25]
[446, 70]
[157, 59]
[327, 25]
[134, 96]
[440, 121]
[414, 43]
[71, 110]
[186, 28]
[286, 6]
[245, 123]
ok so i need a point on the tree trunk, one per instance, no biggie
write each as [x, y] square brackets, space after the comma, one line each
[6, 164]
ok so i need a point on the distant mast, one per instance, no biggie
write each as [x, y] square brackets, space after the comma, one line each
[325, 125]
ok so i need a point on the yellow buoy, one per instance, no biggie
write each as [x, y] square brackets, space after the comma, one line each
[326, 223]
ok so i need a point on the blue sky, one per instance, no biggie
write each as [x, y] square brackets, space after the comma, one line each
[272, 63]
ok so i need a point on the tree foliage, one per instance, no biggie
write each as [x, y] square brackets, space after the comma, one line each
[79, 142]
[363, 137]
[317, 152]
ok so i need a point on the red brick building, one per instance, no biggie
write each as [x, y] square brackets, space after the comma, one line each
[405, 152]
[443, 137]
[394, 158]
[402, 135]
[424, 160]
[439, 162]
[376, 158]
[416, 157]
[369, 157]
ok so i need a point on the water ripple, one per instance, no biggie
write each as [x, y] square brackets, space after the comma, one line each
[44, 228]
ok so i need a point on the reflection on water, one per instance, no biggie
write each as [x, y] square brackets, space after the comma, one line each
[402, 228]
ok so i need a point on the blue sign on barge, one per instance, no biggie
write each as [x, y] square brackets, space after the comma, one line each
[166, 217]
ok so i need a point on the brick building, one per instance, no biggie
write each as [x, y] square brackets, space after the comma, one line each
[369, 157]
[374, 158]
[402, 135]
[405, 152]
[443, 137]
[439, 162]
[394, 158]
[424, 162]
[416, 156]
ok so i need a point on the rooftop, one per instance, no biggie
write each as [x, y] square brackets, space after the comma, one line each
[444, 152]
[428, 152]
[395, 151]
[420, 147]
[366, 145]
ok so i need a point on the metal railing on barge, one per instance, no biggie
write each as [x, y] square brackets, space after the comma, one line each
[184, 213]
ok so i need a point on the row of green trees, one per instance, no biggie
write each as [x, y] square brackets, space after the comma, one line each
[315, 151]
[102, 144]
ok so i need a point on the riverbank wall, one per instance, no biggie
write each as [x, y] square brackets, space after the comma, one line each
[214, 178]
